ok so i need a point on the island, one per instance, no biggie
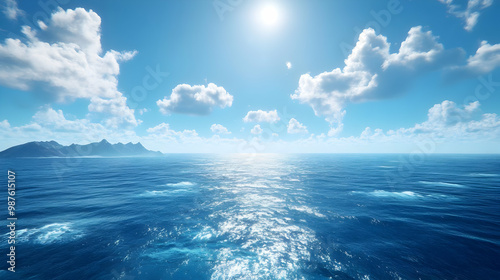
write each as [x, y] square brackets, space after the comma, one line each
[96, 149]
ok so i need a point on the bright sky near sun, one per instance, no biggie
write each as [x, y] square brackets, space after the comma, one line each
[253, 76]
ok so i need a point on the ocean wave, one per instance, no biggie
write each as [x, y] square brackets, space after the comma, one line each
[181, 184]
[163, 254]
[175, 189]
[405, 195]
[51, 233]
[483, 175]
[294, 180]
[441, 184]
[382, 193]
[156, 193]
[307, 210]
[205, 234]
[167, 192]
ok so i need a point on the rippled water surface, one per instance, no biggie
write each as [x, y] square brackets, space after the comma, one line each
[257, 217]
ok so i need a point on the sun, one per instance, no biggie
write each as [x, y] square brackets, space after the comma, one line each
[269, 15]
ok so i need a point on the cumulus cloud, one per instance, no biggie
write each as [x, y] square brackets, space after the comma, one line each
[449, 120]
[485, 60]
[262, 116]
[115, 111]
[289, 65]
[295, 127]
[219, 129]
[469, 13]
[11, 9]
[195, 100]
[371, 72]
[256, 130]
[64, 59]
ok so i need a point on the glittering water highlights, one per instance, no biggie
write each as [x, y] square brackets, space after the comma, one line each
[257, 217]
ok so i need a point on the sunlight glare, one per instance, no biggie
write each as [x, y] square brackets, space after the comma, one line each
[269, 15]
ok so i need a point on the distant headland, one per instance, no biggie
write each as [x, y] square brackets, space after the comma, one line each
[96, 149]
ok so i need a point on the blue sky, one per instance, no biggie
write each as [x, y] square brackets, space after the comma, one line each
[253, 76]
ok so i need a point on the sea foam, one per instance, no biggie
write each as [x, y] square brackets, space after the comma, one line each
[181, 184]
[483, 175]
[441, 184]
[51, 233]
[382, 193]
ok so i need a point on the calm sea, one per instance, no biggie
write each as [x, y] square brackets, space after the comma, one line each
[255, 217]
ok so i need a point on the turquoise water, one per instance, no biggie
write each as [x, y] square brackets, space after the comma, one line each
[256, 217]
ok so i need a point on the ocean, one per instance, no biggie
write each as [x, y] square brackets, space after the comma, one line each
[264, 216]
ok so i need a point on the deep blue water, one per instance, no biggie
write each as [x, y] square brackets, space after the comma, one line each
[256, 217]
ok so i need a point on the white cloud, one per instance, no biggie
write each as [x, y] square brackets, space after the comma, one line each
[4, 124]
[75, 27]
[256, 130]
[448, 113]
[11, 9]
[368, 133]
[115, 109]
[56, 120]
[219, 129]
[485, 60]
[447, 120]
[143, 111]
[449, 127]
[165, 139]
[163, 130]
[262, 116]
[295, 127]
[195, 100]
[371, 72]
[289, 65]
[469, 13]
[63, 58]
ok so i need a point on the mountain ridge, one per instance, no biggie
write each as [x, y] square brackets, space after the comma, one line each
[99, 149]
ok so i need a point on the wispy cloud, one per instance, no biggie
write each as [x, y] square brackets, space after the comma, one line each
[11, 10]
[163, 130]
[470, 13]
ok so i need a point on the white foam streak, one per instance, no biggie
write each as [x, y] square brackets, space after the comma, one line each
[181, 184]
[56, 232]
[441, 184]
[484, 175]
